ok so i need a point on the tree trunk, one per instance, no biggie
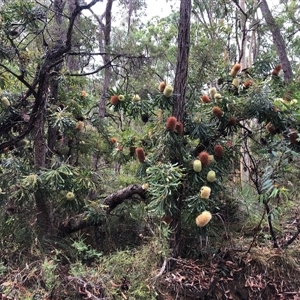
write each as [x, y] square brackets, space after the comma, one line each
[43, 212]
[278, 41]
[180, 81]
[104, 45]
[180, 85]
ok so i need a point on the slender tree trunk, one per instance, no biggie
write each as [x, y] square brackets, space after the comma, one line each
[180, 81]
[54, 81]
[43, 211]
[180, 85]
[278, 41]
[104, 47]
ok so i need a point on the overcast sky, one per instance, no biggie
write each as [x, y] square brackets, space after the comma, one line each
[154, 8]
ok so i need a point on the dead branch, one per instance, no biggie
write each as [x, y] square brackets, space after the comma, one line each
[85, 220]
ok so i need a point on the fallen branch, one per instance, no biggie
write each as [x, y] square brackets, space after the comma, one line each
[85, 220]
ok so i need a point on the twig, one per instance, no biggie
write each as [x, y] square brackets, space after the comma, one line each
[162, 269]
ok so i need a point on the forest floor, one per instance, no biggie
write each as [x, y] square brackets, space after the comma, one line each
[255, 272]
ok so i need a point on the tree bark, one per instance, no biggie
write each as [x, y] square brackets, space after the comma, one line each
[180, 85]
[104, 45]
[180, 81]
[278, 42]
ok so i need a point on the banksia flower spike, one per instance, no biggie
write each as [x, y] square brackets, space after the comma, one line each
[203, 219]
[205, 99]
[79, 125]
[121, 97]
[212, 91]
[211, 176]
[270, 128]
[136, 98]
[235, 82]
[248, 83]
[197, 165]
[218, 151]
[217, 111]
[235, 69]
[83, 94]
[276, 70]
[205, 192]
[140, 153]
[162, 86]
[204, 158]
[5, 102]
[113, 140]
[171, 123]
[114, 100]
[179, 127]
[168, 91]
[232, 121]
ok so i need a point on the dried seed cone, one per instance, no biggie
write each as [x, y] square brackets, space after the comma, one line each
[171, 123]
[114, 100]
[168, 91]
[276, 70]
[218, 151]
[205, 192]
[204, 158]
[235, 69]
[217, 111]
[205, 99]
[140, 153]
[162, 86]
[203, 219]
